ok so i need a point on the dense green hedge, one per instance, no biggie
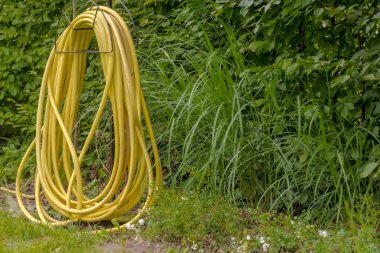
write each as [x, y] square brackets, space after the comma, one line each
[26, 38]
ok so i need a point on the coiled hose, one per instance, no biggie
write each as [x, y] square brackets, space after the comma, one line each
[58, 173]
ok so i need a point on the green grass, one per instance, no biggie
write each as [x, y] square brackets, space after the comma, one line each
[208, 222]
[20, 235]
[191, 222]
[193, 218]
[234, 130]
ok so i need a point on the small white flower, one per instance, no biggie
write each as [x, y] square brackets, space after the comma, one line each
[292, 222]
[262, 240]
[141, 222]
[130, 226]
[233, 239]
[194, 247]
[324, 23]
[265, 247]
[248, 238]
[322, 233]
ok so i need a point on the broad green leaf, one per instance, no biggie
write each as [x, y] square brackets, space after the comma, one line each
[267, 6]
[340, 80]
[306, 2]
[292, 68]
[376, 111]
[115, 223]
[371, 77]
[303, 157]
[244, 11]
[344, 112]
[318, 12]
[367, 169]
[261, 46]
[246, 3]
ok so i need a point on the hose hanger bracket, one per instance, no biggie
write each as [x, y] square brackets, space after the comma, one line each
[71, 26]
[89, 5]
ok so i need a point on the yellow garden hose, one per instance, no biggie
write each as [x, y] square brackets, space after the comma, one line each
[58, 172]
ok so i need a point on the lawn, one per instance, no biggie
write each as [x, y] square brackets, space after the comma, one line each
[183, 222]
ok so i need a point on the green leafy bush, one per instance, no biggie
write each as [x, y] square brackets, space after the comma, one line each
[269, 102]
[26, 38]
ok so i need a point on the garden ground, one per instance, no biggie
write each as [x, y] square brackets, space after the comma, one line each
[188, 222]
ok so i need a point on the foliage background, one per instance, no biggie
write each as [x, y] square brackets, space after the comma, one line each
[272, 103]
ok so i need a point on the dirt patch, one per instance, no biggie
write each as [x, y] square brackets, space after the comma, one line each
[2, 201]
[131, 246]
[9, 203]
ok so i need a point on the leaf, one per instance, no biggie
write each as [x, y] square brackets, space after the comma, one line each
[282, 86]
[369, 27]
[376, 111]
[292, 68]
[258, 102]
[367, 169]
[350, 106]
[371, 77]
[115, 223]
[256, 29]
[244, 11]
[245, 3]
[303, 157]
[261, 46]
[354, 154]
[267, 6]
[340, 80]
[318, 12]
[326, 109]
[303, 198]
[375, 131]
[344, 112]
[306, 2]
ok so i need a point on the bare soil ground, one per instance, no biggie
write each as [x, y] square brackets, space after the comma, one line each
[131, 246]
